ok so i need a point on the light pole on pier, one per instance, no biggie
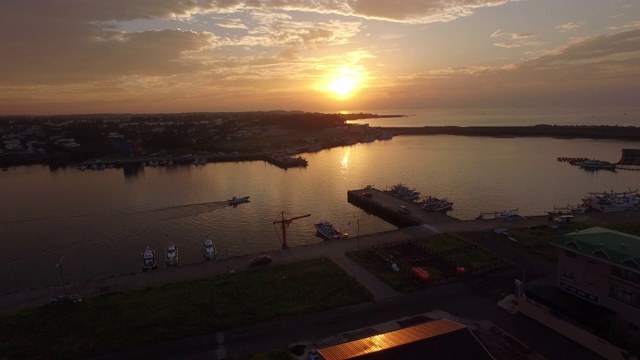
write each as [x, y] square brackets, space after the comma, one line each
[358, 222]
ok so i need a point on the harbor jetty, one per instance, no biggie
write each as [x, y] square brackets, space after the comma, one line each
[572, 160]
[387, 207]
[282, 161]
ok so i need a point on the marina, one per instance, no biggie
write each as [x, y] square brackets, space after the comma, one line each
[109, 216]
[280, 160]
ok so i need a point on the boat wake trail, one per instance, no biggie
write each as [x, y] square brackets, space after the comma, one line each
[206, 206]
[183, 211]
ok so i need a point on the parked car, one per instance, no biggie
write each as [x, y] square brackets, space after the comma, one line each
[60, 299]
[260, 260]
[313, 355]
[564, 219]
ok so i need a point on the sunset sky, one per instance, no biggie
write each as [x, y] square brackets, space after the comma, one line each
[150, 56]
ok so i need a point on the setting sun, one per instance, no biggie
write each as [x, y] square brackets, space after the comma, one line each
[343, 87]
[344, 84]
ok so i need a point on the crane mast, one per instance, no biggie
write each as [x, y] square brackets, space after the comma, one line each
[284, 224]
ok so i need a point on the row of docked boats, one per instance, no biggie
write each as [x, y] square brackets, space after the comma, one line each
[612, 201]
[507, 214]
[149, 260]
[200, 161]
[403, 192]
[431, 203]
[155, 163]
[96, 165]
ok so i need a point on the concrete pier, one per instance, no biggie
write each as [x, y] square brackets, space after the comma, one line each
[387, 207]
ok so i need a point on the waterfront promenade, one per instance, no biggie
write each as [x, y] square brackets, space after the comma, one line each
[430, 223]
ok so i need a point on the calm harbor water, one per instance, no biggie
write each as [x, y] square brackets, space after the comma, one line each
[100, 221]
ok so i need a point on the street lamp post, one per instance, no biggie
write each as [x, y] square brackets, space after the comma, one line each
[59, 266]
[226, 249]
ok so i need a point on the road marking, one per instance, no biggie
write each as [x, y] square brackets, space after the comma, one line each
[221, 353]
[431, 228]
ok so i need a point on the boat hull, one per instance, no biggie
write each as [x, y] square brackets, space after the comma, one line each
[149, 260]
[326, 231]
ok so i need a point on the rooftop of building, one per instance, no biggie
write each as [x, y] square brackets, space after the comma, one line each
[437, 339]
[608, 245]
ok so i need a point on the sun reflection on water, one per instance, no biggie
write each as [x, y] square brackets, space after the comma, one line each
[344, 163]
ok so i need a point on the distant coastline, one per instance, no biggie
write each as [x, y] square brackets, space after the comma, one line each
[66, 140]
[626, 133]
[363, 116]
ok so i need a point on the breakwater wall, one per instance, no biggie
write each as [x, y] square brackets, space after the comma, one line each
[556, 131]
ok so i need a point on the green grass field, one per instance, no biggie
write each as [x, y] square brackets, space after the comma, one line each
[443, 242]
[175, 311]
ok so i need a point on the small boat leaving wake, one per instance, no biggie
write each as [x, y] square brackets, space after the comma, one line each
[234, 201]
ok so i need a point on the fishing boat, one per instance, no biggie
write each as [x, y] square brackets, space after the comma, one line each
[597, 164]
[148, 259]
[238, 200]
[404, 210]
[171, 254]
[613, 201]
[507, 214]
[326, 230]
[403, 192]
[433, 203]
[200, 161]
[209, 251]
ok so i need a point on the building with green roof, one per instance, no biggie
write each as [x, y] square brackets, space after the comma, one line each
[602, 267]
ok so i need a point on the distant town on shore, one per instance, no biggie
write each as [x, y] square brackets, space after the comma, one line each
[68, 139]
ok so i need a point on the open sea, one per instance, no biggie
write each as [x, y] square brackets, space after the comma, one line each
[100, 221]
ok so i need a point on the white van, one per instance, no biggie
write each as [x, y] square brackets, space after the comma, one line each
[564, 219]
